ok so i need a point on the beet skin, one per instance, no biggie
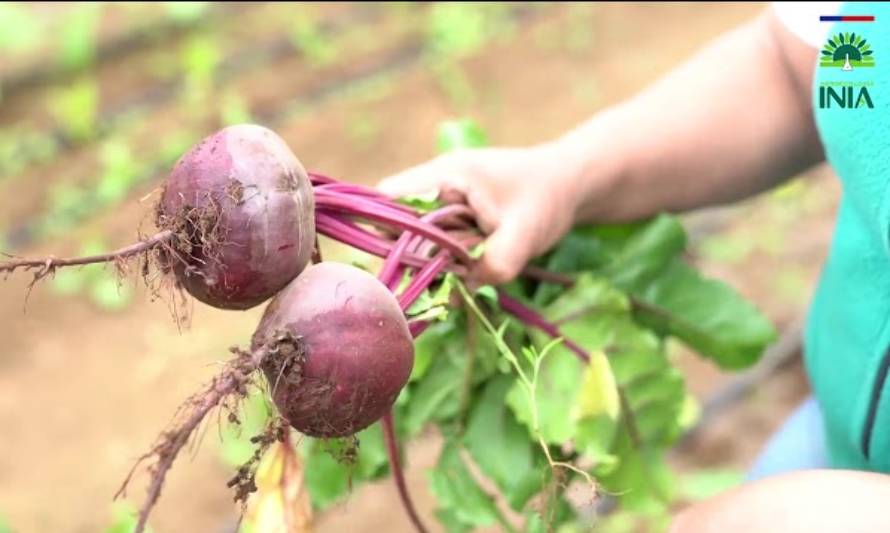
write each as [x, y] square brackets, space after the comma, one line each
[242, 208]
[343, 350]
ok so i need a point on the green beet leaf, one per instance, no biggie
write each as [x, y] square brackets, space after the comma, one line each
[555, 394]
[599, 408]
[641, 480]
[645, 253]
[585, 313]
[461, 500]
[626, 254]
[708, 315]
[333, 465]
[500, 446]
[458, 356]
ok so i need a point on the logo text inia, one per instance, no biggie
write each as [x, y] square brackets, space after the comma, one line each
[844, 97]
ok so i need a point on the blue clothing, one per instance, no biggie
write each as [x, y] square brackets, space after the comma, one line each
[798, 445]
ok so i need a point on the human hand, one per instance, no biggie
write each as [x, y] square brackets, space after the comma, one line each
[525, 199]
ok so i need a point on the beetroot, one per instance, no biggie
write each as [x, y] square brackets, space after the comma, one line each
[342, 350]
[241, 207]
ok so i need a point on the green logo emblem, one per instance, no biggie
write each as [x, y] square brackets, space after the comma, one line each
[847, 51]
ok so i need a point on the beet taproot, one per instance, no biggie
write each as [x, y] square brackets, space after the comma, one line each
[241, 207]
[345, 350]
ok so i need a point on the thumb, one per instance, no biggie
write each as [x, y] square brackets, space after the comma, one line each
[507, 250]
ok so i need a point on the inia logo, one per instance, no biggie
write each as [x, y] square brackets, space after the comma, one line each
[847, 51]
[844, 97]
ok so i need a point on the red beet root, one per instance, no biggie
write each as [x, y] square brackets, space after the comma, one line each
[242, 210]
[347, 351]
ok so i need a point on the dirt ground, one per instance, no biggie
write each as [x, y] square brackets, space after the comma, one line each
[84, 392]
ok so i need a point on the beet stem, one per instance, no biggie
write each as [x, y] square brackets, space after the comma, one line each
[349, 189]
[530, 317]
[320, 179]
[372, 210]
[392, 450]
[391, 272]
[417, 327]
[423, 279]
[351, 234]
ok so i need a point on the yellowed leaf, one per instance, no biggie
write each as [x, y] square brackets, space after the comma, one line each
[281, 503]
[599, 392]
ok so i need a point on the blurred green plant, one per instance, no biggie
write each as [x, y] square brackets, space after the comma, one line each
[200, 57]
[694, 486]
[120, 172]
[729, 249]
[460, 133]
[456, 30]
[308, 38]
[78, 35]
[233, 109]
[363, 128]
[102, 286]
[76, 109]
[123, 519]
[185, 12]
[109, 294]
[373, 89]
[709, 482]
[67, 203]
[454, 81]
[21, 146]
[253, 416]
[174, 145]
[20, 31]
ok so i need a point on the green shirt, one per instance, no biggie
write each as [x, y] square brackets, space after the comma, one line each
[847, 341]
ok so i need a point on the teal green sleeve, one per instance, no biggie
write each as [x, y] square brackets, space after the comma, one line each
[847, 342]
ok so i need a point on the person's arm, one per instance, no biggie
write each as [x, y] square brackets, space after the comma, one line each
[732, 121]
[819, 501]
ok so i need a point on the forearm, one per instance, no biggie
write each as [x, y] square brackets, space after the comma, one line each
[731, 122]
[818, 501]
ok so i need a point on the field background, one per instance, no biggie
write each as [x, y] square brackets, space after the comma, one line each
[98, 101]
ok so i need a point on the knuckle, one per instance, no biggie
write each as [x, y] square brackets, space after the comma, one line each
[457, 161]
[498, 270]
